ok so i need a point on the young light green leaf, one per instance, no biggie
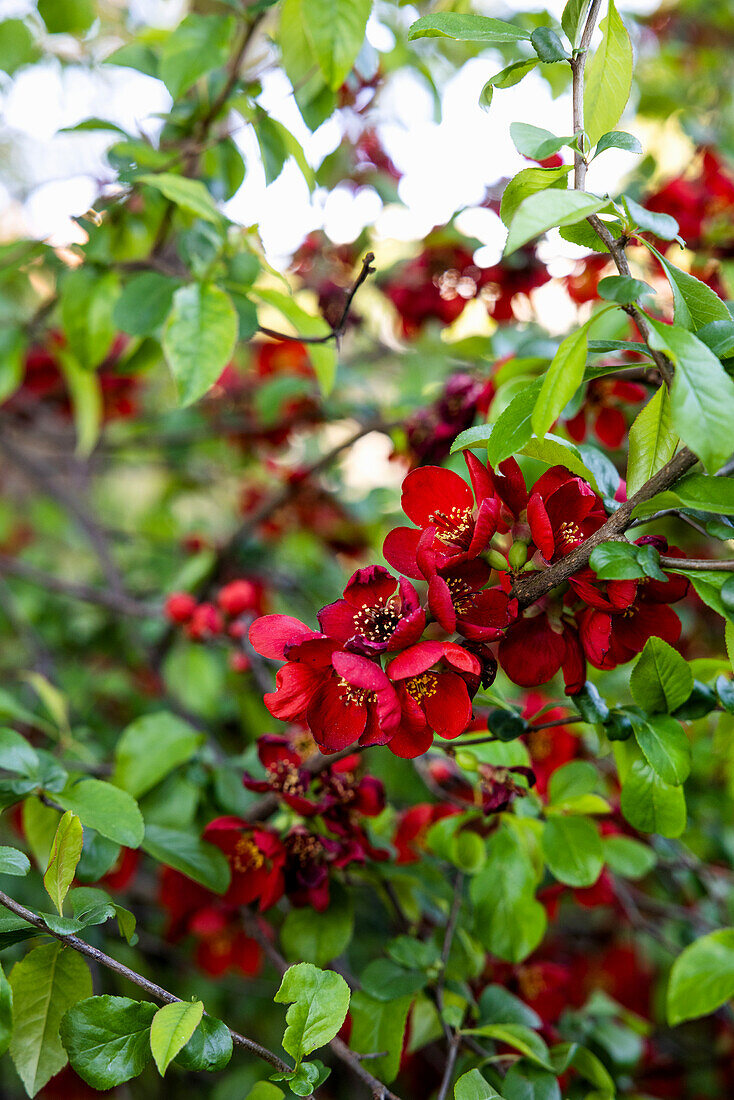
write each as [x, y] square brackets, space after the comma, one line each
[107, 1039]
[87, 302]
[535, 142]
[6, 1012]
[87, 403]
[652, 440]
[695, 303]
[199, 338]
[202, 862]
[572, 850]
[702, 978]
[171, 1028]
[47, 982]
[650, 804]
[318, 1001]
[527, 1042]
[65, 853]
[608, 78]
[664, 745]
[572, 18]
[651, 221]
[199, 44]
[661, 680]
[472, 1086]
[561, 380]
[555, 451]
[547, 209]
[465, 28]
[13, 862]
[506, 78]
[335, 30]
[628, 857]
[702, 395]
[617, 139]
[528, 182]
[151, 747]
[112, 812]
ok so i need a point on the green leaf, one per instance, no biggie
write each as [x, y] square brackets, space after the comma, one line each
[529, 182]
[17, 47]
[189, 195]
[465, 28]
[664, 745]
[617, 139]
[521, 1038]
[528, 1082]
[547, 209]
[379, 1026]
[702, 395]
[199, 338]
[16, 755]
[652, 440]
[384, 980]
[623, 289]
[650, 804]
[608, 78]
[574, 14]
[151, 747]
[202, 862]
[661, 680]
[695, 303]
[209, 1048]
[513, 428]
[579, 777]
[472, 1086]
[553, 450]
[335, 30]
[315, 101]
[199, 44]
[318, 937]
[509, 922]
[548, 45]
[651, 221]
[13, 343]
[48, 981]
[318, 1001]
[6, 1012]
[13, 862]
[172, 1027]
[628, 857]
[498, 1006]
[67, 16]
[87, 401]
[263, 1090]
[39, 829]
[87, 300]
[144, 303]
[560, 382]
[65, 853]
[573, 851]
[535, 142]
[506, 78]
[112, 812]
[305, 1078]
[702, 978]
[107, 1039]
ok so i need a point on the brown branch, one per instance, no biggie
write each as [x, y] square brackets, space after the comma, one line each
[338, 330]
[149, 987]
[529, 587]
[102, 597]
[700, 564]
[467, 744]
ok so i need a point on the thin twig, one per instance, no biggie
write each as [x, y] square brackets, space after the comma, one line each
[153, 990]
[338, 330]
[121, 603]
[697, 564]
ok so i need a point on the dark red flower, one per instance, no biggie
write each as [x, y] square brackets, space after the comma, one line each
[537, 646]
[285, 776]
[563, 510]
[516, 274]
[434, 286]
[372, 617]
[440, 499]
[343, 697]
[431, 679]
[458, 597]
[498, 787]
[431, 431]
[602, 410]
[256, 857]
[308, 862]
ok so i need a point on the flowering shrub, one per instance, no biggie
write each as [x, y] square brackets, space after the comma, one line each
[368, 670]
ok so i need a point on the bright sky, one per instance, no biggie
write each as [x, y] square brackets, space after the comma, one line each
[447, 165]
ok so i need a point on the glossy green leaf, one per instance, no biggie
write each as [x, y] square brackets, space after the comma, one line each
[47, 982]
[572, 850]
[535, 142]
[17, 47]
[628, 857]
[650, 804]
[608, 78]
[199, 338]
[702, 978]
[617, 139]
[548, 45]
[318, 1001]
[145, 303]
[6, 1012]
[651, 221]
[661, 680]
[510, 922]
[622, 289]
[465, 28]
[199, 44]
[472, 1086]
[209, 1048]
[377, 1027]
[13, 862]
[547, 209]
[65, 853]
[696, 304]
[528, 182]
[335, 30]
[170, 1030]
[151, 747]
[87, 402]
[561, 380]
[506, 78]
[108, 1039]
[521, 1038]
[112, 812]
[652, 440]
[318, 938]
[87, 300]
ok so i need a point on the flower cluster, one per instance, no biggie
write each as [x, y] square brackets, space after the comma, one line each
[227, 617]
[392, 667]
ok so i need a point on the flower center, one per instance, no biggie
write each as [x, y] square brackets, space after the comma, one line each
[246, 856]
[453, 528]
[422, 687]
[285, 776]
[352, 696]
[377, 623]
[306, 848]
[568, 534]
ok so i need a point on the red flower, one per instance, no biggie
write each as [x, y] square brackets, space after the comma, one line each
[309, 859]
[413, 825]
[239, 596]
[498, 787]
[256, 857]
[458, 598]
[601, 408]
[223, 946]
[537, 646]
[582, 284]
[180, 606]
[343, 697]
[372, 617]
[285, 776]
[517, 274]
[205, 622]
[440, 499]
[432, 699]
[436, 285]
[563, 511]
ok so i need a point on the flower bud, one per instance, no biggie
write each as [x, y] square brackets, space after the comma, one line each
[497, 560]
[467, 761]
[518, 554]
